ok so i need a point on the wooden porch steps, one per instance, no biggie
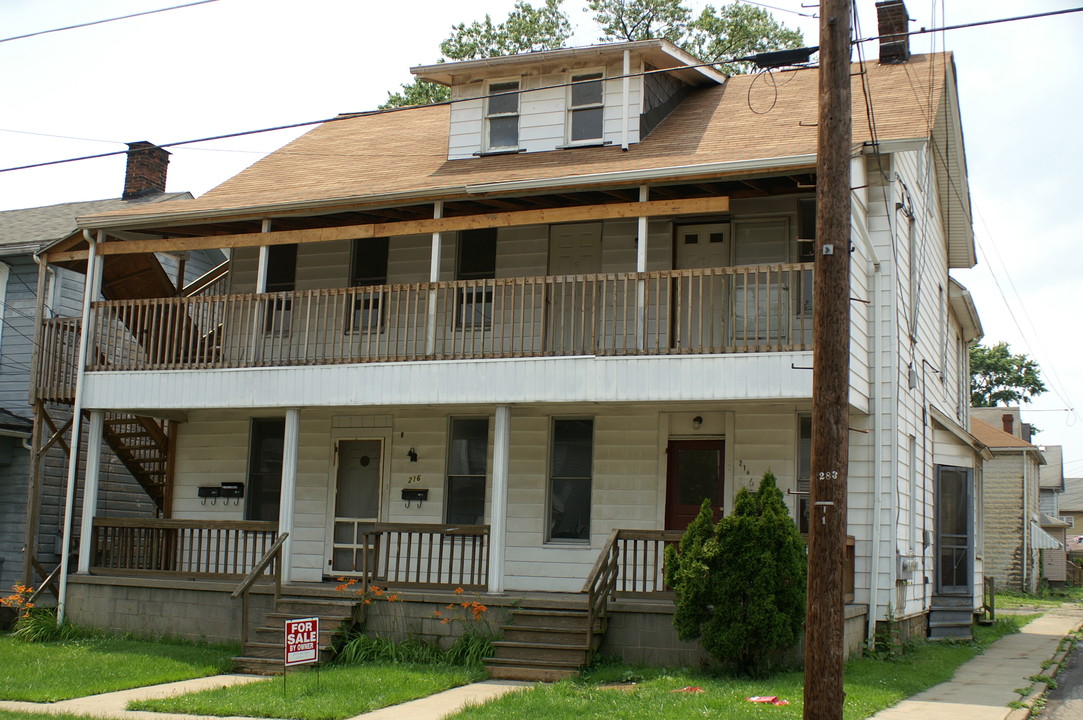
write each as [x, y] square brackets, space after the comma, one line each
[545, 644]
[262, 653]
[951, 618]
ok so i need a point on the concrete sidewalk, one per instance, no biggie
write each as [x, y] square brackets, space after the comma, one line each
[983, 687]
[112, 705]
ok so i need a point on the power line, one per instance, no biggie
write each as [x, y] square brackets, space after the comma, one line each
[101, 22]
[979, 23]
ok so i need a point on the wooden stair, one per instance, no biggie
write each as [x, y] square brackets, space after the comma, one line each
[951, 617]
[262, 653]
[545, 643]
[142, 446]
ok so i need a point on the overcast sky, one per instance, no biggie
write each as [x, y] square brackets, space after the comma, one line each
[235, 65]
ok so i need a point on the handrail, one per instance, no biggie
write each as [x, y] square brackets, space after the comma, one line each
[250, 579]
[600, 586]
[205, 280]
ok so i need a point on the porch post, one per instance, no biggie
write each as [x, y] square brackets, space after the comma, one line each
[498, 513]
[434, 277]
[288, 492]
[90, 489]
[641, 267]
[91, 288]
[254, 346]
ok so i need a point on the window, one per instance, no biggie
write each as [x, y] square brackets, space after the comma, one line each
[570, 469]
[502, 115]
[368, 267]
[804, 470]
[585, 107]
[476, 261]
[265, 468]
[281, 277]
[468, 448]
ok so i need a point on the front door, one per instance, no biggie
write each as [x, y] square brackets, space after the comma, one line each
[357, 504]
[954, 557]
[761, 314]
[697, 299]
[694, 472]
[575, 250]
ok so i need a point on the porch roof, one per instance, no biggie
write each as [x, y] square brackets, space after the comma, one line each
[387, 157]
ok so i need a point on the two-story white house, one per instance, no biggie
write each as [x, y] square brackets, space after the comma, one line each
[511, 342]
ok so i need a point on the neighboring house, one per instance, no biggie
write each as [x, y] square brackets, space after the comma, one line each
[1051, 488]
[23, 233]
[1013, 534]
[1071, 512]
[511, 343]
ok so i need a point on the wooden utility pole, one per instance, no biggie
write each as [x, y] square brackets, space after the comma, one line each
[824, 654]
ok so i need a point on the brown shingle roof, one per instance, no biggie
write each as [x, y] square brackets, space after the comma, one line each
[751, 117]
[995, 438]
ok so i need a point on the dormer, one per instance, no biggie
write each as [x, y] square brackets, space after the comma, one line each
[593, 96]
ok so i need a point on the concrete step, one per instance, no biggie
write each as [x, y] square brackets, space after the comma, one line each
[257, 665]
[328, 621]
[530, 670]
[260, 649]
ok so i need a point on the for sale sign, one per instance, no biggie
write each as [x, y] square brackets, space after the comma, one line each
[302, 641]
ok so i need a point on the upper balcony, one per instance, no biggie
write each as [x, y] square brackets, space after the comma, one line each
[742, 309]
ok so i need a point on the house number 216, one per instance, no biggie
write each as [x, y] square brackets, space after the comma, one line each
[830, 475]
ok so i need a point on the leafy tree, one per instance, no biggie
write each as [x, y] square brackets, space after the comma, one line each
[527, 29]
[740, 583]
[999, 378]
[732, 30]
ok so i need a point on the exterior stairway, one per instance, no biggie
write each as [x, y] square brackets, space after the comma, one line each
[142, 446]
[262, 653]
[951, 617]
[546, 642]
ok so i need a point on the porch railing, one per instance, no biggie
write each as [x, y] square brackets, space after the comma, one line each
[714, 310]
[635, 560]
[404, 555]
[194, 548]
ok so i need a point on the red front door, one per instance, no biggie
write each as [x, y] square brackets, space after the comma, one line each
[694, 473]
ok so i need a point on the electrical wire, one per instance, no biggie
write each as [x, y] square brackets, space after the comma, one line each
[107, 20]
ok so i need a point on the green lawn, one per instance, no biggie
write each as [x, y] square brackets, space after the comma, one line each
[1049, 597]
[48, 672]
[7, 715]
[344, 691]
[871, 685]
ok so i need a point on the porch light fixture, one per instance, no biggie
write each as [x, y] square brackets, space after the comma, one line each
[412, 454]
[697, 421]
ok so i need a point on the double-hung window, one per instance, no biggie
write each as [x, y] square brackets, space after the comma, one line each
[468, 448]
[368, 269]
[586, 107]
[502, 115]
[570, 479]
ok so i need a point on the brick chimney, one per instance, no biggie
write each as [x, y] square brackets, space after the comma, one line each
[147, 166]
[893, 23]
[1008, 423]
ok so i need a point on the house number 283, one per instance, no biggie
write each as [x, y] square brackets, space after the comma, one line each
[829, 475]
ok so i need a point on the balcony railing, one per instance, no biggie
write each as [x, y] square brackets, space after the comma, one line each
[753, 308]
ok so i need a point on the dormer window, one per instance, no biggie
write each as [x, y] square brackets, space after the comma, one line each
[585, 107]
[502, 115]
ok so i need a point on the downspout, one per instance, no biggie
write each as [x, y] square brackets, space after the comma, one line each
[1026, 524]
[90, 291]
[877, 473]
[626, 91]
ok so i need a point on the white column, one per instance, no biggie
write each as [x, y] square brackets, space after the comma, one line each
[641, 267]
[434, 277]
[288, 492]
[498, 512]
[91, 287]
[90, 488]
[625, 96]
